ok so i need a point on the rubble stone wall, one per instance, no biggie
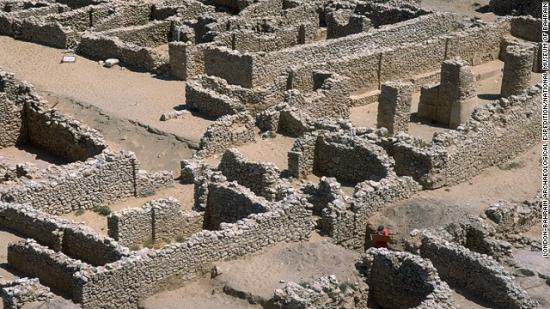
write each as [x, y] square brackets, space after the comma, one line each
[54, 269]
[230, 202]
[101, 180]
[480, 274]
[230, 130]
[404, 280]
[75, 240]
[154, 269]
[22, 292]
[351, 160]
[157, 221]
[261, 178]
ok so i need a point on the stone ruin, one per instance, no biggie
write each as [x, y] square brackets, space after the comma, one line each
[261, 69]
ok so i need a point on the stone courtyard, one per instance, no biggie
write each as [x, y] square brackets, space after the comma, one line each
[243, 153]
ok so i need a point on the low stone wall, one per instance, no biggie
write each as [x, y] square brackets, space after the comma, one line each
[404, 280]
[260, 177]
[22, 292]
[54, 269]
[60, 135]
[99, 46]
[102, 180]
[122, 284]
[511, 218]
[229, 202]
[478, 274]
[484, 140]
[28, 119]
[351, 160]
[186, 60]
[231, 130]
[75, 240]
[156, 221]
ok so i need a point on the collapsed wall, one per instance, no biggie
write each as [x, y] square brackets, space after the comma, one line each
[24, 292]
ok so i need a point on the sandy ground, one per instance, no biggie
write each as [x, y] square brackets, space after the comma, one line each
[21, 154]
[489, 80]
[155, 150]
[463, 7]
[513, 182]
[119, 92]
[260, 274]
[183, 193]
[200, 294]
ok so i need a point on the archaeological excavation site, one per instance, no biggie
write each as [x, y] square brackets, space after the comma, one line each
[279, 154]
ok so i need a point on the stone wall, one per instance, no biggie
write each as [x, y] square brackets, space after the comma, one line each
[74, 240]
[54, 269]
[478, 274]
[404, 280]
[59, 135]
[24, 292]
[27, 118]
[123, 283]
[484, 140]
[157, 221]
[262, 178]
[101, 180]
[229, 202]
[350, 160]
[230, 130]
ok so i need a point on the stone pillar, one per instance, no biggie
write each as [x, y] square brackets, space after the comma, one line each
[457, 86]
[518, 63]
[394, 106]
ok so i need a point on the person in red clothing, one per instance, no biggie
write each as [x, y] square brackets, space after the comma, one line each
[382, 231]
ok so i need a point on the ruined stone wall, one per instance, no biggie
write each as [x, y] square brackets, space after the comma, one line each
[23, 292]
[478, 274]
[10, 23]
[493, 134]
[157, 221]
[351, 160]
[123, 283]
[262, 178]
[54, 269]
[230, 202]
[301, 157]
[60, 135]
[101, 180]
[187, 9]
[11, 120]
[486, 139]
[150, 35]
[100, 46]
[230, 130]
[186, 60]
[346, 223]
[404, 280]
[28, 119]
[74, 240]
[527, 28]
[267, 67]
